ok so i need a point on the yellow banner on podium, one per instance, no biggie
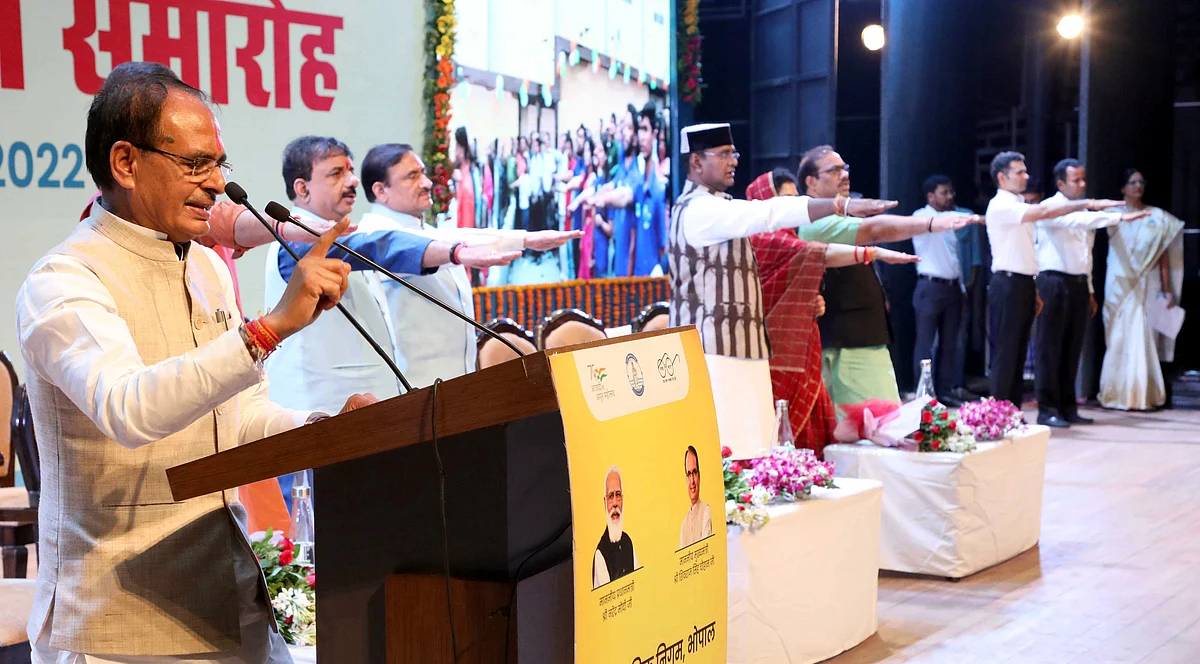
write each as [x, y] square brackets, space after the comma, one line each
[647, 500]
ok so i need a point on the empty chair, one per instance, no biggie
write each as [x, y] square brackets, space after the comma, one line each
[492, 352]
[652, 317]
[567, 327]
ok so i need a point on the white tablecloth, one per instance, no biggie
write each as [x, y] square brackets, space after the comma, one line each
[804, 587]
[949, 514]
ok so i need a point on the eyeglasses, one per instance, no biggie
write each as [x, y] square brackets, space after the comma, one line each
[836, 169]
[695, 472]
[200, 167]
[612, 495]
[724, 154]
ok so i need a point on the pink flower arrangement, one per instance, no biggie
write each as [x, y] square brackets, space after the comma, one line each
[991, 419]
[789, 473]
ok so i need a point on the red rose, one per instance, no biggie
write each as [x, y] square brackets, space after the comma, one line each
[726, 452]
[934, 403]
[288, 545]
[954, 426]
[926, 417]
[286, 557]
[741, 508]
[311, 579]
[287, 620]
[919, 437]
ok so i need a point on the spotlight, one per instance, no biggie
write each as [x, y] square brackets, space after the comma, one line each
[1070, 26]
[873, 37]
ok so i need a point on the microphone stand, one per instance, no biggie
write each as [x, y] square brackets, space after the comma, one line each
[281, 214]
[244, 201]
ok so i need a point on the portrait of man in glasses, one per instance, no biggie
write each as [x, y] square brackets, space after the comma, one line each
[697, 524]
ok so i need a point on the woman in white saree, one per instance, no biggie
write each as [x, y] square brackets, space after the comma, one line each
[1145, 262]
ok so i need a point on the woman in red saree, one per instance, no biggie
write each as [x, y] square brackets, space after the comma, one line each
[791, 270]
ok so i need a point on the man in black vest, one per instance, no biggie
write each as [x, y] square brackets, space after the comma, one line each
[856, 364]
[615, 556]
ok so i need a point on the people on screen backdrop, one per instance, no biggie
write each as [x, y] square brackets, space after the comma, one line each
[1144, 271]
[535, 182]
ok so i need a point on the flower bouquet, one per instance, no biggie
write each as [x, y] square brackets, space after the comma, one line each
[991, 419]
[786, 474]
[292, 586]
[941, 432]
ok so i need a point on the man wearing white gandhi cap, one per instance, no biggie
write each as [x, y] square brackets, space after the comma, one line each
[714, 278]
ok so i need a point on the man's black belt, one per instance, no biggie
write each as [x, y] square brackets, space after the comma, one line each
[1076, 278]
[938, 280]
[1015, 275]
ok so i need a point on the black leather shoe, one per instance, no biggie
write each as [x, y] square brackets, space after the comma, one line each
[949, 401]
[1076, 418]
[1053, 421]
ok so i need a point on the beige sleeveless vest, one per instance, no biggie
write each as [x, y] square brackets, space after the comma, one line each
[123, 568]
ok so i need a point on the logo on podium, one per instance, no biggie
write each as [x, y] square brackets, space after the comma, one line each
[633, 371]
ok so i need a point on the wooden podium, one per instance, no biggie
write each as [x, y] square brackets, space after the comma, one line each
[381, 587]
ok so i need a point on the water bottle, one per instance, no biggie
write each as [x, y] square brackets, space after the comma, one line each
[925, 385]
[302, 519]
[783, 425]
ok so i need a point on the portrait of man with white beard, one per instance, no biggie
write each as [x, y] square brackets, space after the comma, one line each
[615, 556]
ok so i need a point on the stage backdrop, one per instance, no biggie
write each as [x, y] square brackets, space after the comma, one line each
[279, 69]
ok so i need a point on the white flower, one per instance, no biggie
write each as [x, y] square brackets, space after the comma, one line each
[258, 536]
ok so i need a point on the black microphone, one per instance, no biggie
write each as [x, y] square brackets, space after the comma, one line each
[238, 195]
[283, 215]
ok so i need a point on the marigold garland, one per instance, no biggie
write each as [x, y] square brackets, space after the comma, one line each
[691, 82]
[440, 35]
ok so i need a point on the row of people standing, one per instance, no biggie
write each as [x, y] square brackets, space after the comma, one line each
[1042, 267]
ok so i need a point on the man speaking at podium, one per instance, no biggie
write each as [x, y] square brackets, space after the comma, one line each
[137, 361]
[715, 284]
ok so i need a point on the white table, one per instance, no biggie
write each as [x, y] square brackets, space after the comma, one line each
[952, 515]
[804, 587]
[303, 654]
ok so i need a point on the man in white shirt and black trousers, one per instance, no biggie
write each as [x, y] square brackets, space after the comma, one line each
[1064, 253]
[940, 296]
[1012, 295]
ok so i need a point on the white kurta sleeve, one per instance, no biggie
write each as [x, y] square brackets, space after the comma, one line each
[709, 220]
[72, 336]
[1084, 219]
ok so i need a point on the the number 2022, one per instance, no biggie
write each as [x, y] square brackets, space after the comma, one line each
[21, 165]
